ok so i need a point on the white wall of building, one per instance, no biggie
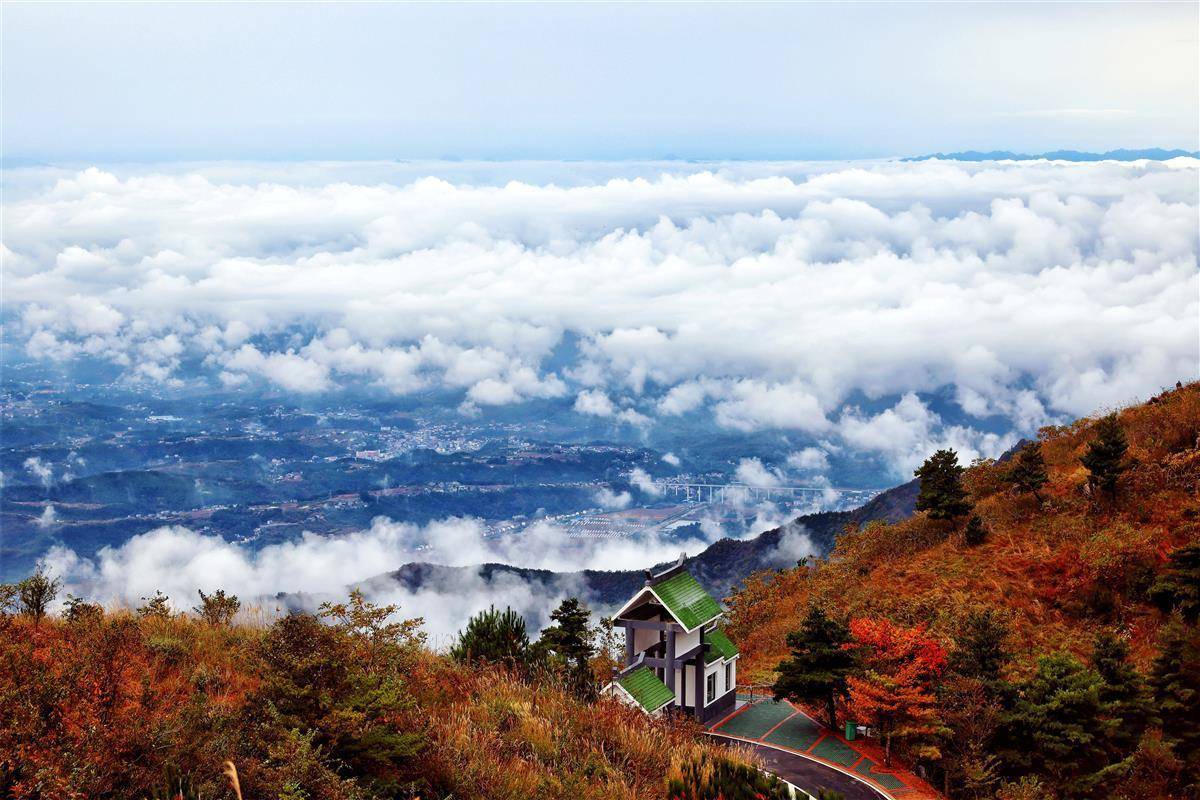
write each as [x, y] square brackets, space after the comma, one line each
[643, 638]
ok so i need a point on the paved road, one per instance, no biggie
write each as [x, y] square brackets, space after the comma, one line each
[809, 775]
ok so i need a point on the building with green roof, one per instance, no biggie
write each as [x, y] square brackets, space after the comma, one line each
[645, 689]
[676, 654]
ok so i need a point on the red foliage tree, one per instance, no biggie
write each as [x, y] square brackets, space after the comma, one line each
[894, 692]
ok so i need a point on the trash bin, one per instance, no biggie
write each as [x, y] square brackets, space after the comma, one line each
[851, 729]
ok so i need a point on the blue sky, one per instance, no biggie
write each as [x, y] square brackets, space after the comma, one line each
[115, 82]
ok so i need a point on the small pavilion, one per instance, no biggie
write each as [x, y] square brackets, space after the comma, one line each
[676, 654]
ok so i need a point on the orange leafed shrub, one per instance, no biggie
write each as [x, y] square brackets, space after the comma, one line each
[895, 690]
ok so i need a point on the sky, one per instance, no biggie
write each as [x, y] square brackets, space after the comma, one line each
[168, 82]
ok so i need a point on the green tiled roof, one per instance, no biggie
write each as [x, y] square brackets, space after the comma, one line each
[687, 601]
[721, 646]
[645, 687]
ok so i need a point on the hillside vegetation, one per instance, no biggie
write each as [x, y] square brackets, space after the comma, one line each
[345, 706]
[1038, 640]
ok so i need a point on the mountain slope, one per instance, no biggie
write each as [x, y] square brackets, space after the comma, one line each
[1071, 618]
[1058, 570]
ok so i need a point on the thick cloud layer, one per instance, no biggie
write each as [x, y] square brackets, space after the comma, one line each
[766, 297]
[179, 561]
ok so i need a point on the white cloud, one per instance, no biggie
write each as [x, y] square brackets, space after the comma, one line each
[671, 459]
[641, 480]
[180, 561]
[292, 372]
[765, 294]
[595, 403]
[755, 405]
[607, 498]
[753, 472]
[232, 380]
[683, 398]
[48, 518]
[810, 459]
[40, 469]
[794, 544]
[910, 431]
[518, 384]
[898, 429]
[634, 418]
[1073, 112]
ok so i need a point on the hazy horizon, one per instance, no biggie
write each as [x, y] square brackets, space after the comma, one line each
[167, 82]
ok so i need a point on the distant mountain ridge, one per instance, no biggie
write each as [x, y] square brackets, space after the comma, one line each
[1150, 153]
[720, 567]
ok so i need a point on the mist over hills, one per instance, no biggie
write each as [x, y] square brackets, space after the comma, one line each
[720, 567]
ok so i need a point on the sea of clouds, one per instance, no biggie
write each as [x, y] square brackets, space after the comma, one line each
[314, 568]
[766, 296]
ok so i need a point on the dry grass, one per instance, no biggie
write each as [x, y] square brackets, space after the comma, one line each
[501, 737]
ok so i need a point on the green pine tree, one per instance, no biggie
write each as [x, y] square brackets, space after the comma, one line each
[974, 534]
[339, 695]
[1105, 456]
[942, 493]
[820, 662]
[494, 636]
[568, 646]
[981, 650]
[1028, 471]
[1175, 678]
[8, 598]
[1124, 695]
[1056, 728]
[1178, 586]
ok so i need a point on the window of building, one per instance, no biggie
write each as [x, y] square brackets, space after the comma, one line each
[710, 687]
[728, 676]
